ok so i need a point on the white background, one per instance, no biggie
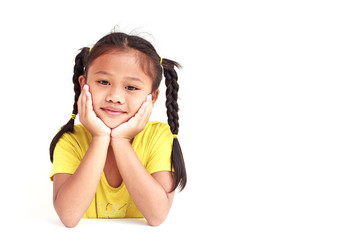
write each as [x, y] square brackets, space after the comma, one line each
[269, 98]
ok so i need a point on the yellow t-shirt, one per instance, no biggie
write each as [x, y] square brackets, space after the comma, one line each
[153, 147]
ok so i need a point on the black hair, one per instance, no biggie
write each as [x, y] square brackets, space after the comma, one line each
[152, 65]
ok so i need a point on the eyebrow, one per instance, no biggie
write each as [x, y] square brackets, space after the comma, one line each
[134, 79]
[127, 77]
[103, 73]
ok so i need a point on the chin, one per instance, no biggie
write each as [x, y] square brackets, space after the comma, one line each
[113, 121]
[113, 124]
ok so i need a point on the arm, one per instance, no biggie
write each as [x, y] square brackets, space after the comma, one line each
[150, 193]
[73, 194]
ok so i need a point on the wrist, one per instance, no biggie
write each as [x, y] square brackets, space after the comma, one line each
[101, 138]
[102, 133]
[119, 141]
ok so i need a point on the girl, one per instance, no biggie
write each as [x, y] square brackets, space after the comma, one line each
[117, 163]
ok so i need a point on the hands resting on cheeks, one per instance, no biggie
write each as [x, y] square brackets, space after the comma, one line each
[125, 131]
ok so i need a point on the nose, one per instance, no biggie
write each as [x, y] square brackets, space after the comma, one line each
[116, 95]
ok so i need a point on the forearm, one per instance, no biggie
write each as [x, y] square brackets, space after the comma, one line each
[76, 194]
[148, 195]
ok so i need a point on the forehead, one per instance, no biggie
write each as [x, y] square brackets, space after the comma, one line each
[121, 63]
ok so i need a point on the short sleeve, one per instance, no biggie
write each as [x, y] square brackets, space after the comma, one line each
[69, 151]
[159, 158]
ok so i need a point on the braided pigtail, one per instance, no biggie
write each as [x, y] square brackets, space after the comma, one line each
[172, 88]
[79, 69]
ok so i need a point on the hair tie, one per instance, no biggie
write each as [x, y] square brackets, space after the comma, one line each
[161, 61]
[175, 136]
[90, 49]
[73, 116]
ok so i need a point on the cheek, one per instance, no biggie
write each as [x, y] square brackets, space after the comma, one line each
[96, 97]
[135, 103]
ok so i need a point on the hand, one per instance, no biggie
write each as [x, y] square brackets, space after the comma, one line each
[88, 117]
[128, 130]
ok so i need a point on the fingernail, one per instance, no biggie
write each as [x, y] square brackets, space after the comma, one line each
[148, 97]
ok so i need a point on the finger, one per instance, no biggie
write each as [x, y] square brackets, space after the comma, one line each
[148, 111]
[146, 104]
[149, 98]
[151, 103]
[147, 107]
[145, 112]
[140, 114]
[81, 103]
[88, 100]
[138, 118]
[83, 92]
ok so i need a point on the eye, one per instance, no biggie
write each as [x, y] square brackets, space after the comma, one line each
[104, 82]
[131, 88]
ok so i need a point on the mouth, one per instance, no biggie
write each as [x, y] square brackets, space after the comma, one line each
[113, 111]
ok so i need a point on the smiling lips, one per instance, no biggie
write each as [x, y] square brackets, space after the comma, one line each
[113, 111]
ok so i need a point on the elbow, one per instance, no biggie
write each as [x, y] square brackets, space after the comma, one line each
[155, 223]
[69, 220]
[70, 224]
[156, 220]
[157, 215]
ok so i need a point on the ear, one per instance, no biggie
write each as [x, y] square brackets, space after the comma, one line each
[82, 81]
[155, 95]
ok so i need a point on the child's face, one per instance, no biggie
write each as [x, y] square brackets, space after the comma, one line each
[118, 87]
